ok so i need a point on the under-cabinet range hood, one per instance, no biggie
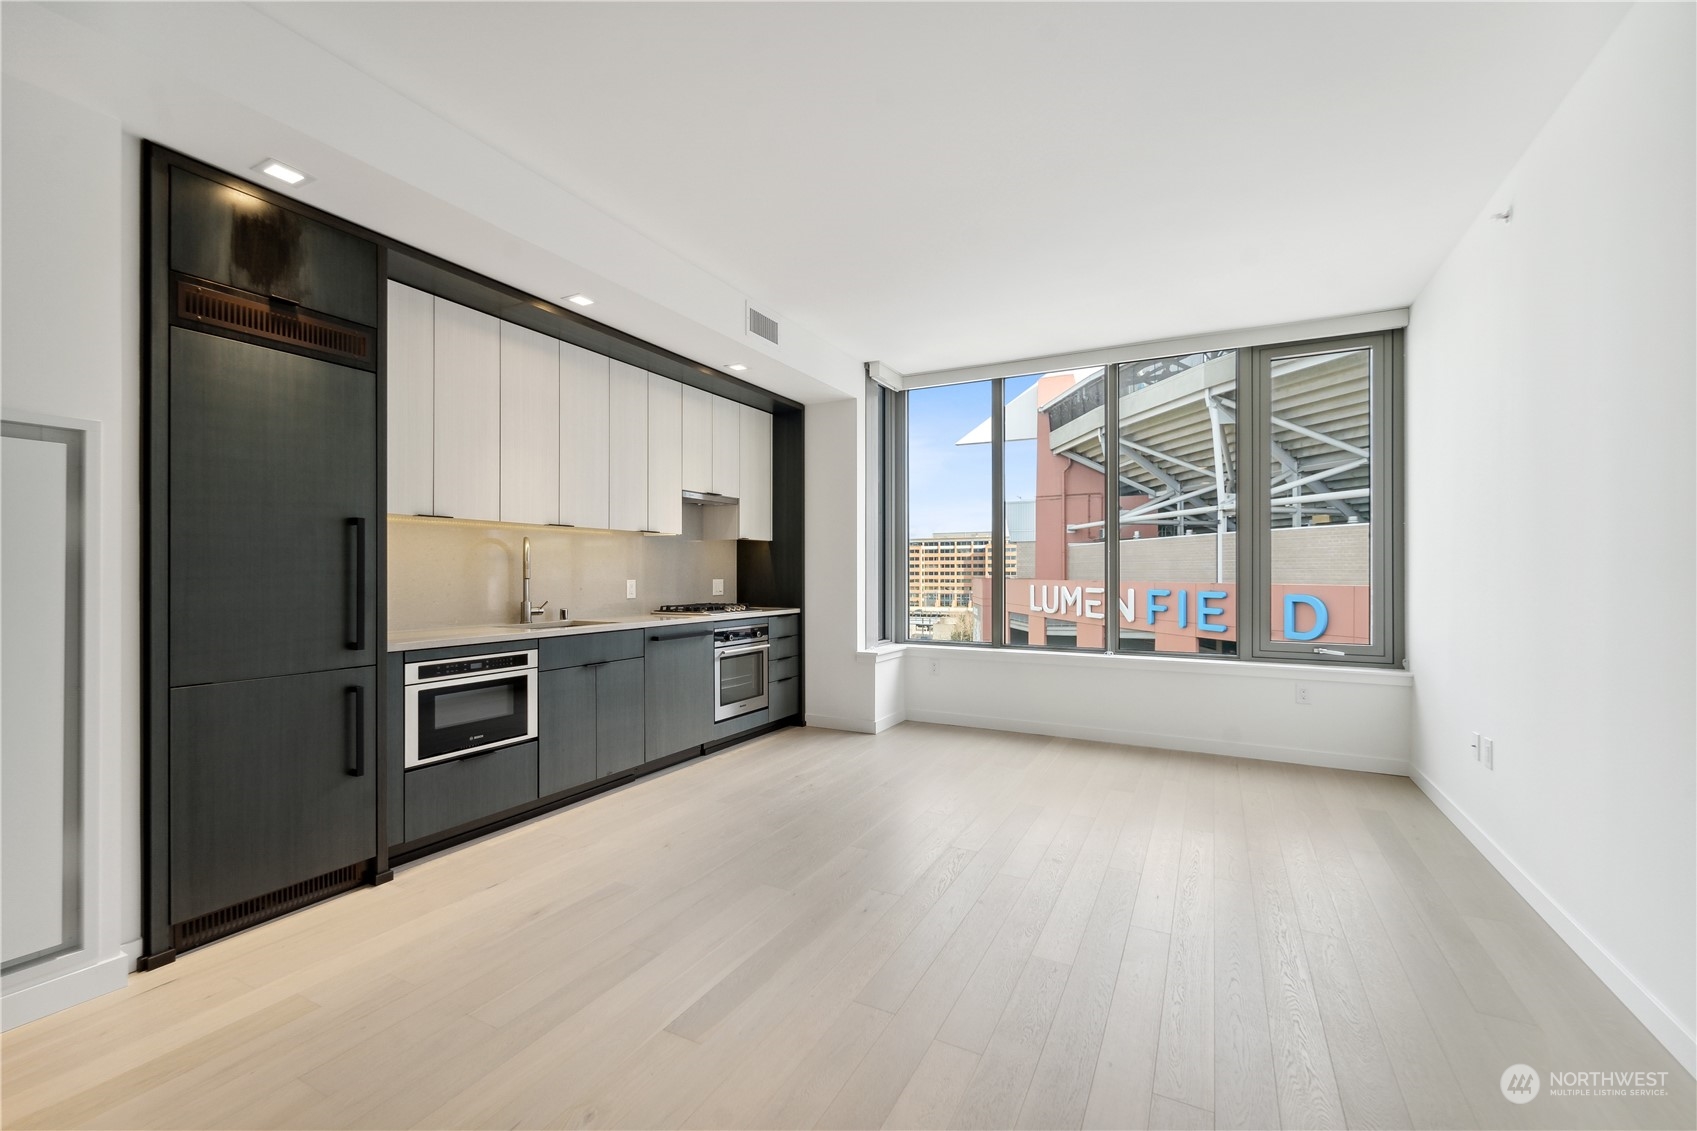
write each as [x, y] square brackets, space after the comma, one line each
[709, 499]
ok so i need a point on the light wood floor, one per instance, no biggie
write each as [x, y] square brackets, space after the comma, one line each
[933, 928]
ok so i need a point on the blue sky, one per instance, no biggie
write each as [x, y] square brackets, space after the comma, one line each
[949, 486]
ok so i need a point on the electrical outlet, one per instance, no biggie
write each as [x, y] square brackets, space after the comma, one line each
[1475, 747]
[630, 589]
[1488, 751]
[718, 587]
[1302, 694]
[934, 666]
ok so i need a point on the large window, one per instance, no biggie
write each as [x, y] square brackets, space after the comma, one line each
[1177, 539]
[1052, 499]
[1250, 513]
[1322, 556]
[949, 536]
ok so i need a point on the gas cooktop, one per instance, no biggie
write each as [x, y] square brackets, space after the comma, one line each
[700, 609]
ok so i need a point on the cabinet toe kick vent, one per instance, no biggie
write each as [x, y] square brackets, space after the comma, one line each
[217, 924]
[271, 321]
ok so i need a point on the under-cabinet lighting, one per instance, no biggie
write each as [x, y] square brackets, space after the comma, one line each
[288, 174]
[737, 368]
[580, 300]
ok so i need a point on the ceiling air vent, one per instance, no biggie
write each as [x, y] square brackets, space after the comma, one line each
[272, 321]
[763, 325]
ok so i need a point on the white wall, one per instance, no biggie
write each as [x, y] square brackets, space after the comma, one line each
[840, 681]
[1355, 720]
[1550, 503]
[224, 83]
[71, 231]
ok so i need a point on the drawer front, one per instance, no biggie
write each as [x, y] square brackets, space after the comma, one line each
[784, 669]
[469, 789]
[730, 728]
[784, 647]
[784, 626]
[589, 648]
[785, 698]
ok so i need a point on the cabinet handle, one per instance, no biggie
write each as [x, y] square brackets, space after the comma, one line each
[682, 635]
[356, 732]
[356, 596]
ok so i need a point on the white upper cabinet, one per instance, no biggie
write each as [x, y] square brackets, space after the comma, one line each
[530, 426]
[697, 439]
[493, 421]
[754, 510]
[410, 361]
[468, 413]
[727, 448]
[627, 448]
[584, 423]
[665, 456]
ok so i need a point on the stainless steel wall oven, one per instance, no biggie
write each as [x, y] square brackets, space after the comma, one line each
[739, 670]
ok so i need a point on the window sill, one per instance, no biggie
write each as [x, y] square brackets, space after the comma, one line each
[1205, 666]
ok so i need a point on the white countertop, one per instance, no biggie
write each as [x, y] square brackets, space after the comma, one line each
[407, 640]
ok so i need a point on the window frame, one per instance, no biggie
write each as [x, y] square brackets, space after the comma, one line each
[1251, 518]
[1255, 526]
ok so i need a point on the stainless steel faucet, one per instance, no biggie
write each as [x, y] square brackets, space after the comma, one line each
[527, 611]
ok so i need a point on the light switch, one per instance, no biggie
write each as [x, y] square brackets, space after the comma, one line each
[630, 589]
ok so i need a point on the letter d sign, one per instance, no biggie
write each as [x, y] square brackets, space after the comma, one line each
[1320, 618]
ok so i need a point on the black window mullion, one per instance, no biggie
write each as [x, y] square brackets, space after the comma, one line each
[998, 518]
[1111, 507]
[1247, 519]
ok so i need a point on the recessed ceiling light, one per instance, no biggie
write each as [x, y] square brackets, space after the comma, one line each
[288, 174]
[580, 300]
[737, 368]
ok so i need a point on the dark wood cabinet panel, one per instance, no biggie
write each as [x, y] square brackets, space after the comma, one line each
[589, 648]
[273, 512]
[620, 708]
[590, 722]
[273, 781]
[784, 697]
[679, 691]
[394, 747]
[469, 789]
[235, 238]
[742, 724]
[566, 729]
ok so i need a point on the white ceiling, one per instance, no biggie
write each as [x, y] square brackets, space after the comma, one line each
[935, 185]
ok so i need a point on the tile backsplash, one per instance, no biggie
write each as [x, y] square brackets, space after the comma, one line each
[448, 572]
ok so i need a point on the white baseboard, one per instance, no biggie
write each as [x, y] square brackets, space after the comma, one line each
[839, 722]
[1645, 1005]
[1186, 743]
[27, 1003]
[885, 722]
